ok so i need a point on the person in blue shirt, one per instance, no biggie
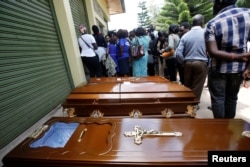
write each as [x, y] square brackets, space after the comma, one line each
[123, 48]
[191, 52]
[112, 49]
[226, 37]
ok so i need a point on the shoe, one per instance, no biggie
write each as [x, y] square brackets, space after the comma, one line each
[209, 107]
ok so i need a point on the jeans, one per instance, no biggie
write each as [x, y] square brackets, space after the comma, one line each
[224, 89]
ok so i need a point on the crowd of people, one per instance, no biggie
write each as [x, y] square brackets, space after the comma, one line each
[190, 53]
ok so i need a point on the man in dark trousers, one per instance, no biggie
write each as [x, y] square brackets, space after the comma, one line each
[191, 52]
[226, 38]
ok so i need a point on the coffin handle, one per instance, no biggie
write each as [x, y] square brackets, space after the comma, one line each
[135, 113]
[96, 114]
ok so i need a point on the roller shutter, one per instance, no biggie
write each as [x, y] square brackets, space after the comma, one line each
[79, 13]
[34, 78]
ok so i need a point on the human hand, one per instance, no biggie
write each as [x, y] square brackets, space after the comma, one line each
[245, 84]
[246, 56]
[246, 74]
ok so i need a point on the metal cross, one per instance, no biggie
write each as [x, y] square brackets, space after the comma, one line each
[138, 133]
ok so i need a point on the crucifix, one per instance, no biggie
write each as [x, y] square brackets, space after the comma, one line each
[138, 134]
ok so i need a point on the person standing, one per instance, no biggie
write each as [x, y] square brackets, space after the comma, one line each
[101, 47]
[226, 37]
[173, 41]
[151, 56]
[123, 48]
[159, 45]
[107, 39]
[140, 66]
[191, 52]
[112, 50]
[183, 29]
[88, 46]
[100, 41]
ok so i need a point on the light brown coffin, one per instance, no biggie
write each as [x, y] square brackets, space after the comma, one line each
[104, 143]
[128, 79]
[121, 96]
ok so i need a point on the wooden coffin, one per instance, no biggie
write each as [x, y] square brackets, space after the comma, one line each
[150, 97]
[103, 143]
[128, 79]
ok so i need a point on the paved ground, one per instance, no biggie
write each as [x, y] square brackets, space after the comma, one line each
[243, 105]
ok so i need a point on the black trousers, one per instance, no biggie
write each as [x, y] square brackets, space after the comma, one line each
[171, 68]
[93, 65]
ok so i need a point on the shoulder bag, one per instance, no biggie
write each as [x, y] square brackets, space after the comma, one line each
[137, 50]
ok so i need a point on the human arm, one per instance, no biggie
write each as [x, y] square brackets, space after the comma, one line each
[92, 40]
[246, 73]
[170, 41]
[246, 76]
[120, 47]
[179, 52]
[94, 46]
[214, 52]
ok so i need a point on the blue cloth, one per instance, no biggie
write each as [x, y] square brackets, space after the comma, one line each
[192, 46]
[124, 43]
[123, 58]
[231, 29]
[140, 66]
[57, 136]
[113, 53]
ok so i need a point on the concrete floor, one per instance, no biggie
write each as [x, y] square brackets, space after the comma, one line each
[243, 105]
[243, 112]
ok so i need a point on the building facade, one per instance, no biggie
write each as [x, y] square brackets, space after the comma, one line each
[39, 56]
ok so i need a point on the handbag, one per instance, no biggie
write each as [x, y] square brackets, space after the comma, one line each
[167, 54]
[137, 50]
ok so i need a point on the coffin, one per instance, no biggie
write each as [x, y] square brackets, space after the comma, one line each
[128, 79]
[122, 96]
[103, 143]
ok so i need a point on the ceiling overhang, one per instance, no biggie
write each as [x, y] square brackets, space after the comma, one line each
[116, 6]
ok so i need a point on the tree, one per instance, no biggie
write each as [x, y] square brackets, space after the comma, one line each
[143, 17]
[203, 7]
[154, 9]
[178, 11]
[169, 14]
[243, 3]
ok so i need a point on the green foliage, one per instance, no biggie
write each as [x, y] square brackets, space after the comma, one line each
[203, 7]
[178, 11]
[184, 16]
[243, 3]
[183, 6]
[144, 19]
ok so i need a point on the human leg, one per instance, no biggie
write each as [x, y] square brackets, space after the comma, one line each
[217, 90]
[199, 73]
[180, 72]
[93, 66]
[233, 86]
[171, 68]
[188, 74]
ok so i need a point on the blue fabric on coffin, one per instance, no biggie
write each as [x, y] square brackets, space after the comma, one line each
[57, 136]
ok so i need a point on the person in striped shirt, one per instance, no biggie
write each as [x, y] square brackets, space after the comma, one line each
[226, 37]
